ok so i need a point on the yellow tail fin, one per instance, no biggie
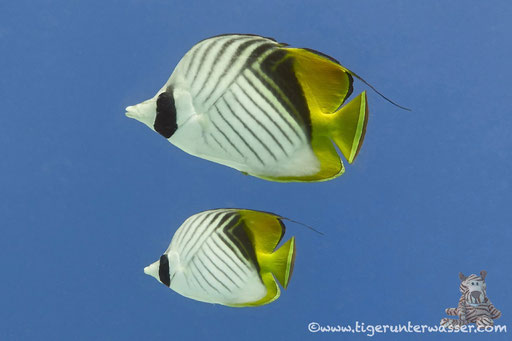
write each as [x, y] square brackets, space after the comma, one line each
[326, 85]
[281, 262]
[265, 230]
[348, 126]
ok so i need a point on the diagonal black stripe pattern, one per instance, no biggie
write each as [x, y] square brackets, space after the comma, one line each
[234, 252]
[237, 133]
[216, 59]
[218, 143]
[217, 266]
[255, 119]
[192, 230]
[272, 105]
[247, 127]
[194, 277]
[260, 50]
[185, 229]
[194, 240]
[221, 248]
[202, 59]
[213, 275]
[237, 235]
[278, 68]
[227, 139]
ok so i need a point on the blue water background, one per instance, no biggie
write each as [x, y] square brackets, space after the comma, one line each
[89, 197]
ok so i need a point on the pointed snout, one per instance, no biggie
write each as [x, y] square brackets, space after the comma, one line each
[144, 112]
[152, 269]
[131, 111]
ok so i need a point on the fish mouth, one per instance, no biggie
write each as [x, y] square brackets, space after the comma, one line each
[152, 269]
[132, 112]
[144, 112]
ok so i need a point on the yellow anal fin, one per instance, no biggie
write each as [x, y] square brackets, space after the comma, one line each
[280, 264]
[264, 229]
[273, 292]
[346, 128]
[331, 165]
[326, 84]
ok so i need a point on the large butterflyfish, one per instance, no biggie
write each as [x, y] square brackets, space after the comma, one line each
[262, 107]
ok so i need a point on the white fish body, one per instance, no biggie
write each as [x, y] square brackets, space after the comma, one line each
[215, 258]
[227, 106]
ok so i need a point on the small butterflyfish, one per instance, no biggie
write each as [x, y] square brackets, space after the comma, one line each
[228, 256]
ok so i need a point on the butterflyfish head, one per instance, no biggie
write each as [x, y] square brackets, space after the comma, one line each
[160, 270]
[158, 113]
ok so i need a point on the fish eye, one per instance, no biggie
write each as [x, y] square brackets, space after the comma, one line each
[165, 121]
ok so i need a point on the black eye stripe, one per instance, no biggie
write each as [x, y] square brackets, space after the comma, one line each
[165, 121]
[163, 270]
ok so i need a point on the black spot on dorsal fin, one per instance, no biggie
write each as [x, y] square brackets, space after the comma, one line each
[165, 121]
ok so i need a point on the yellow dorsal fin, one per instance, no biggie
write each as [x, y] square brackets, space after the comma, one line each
[264, 229]
[324, 81]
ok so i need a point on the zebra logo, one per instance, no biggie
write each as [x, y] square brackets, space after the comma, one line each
[474, 305]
